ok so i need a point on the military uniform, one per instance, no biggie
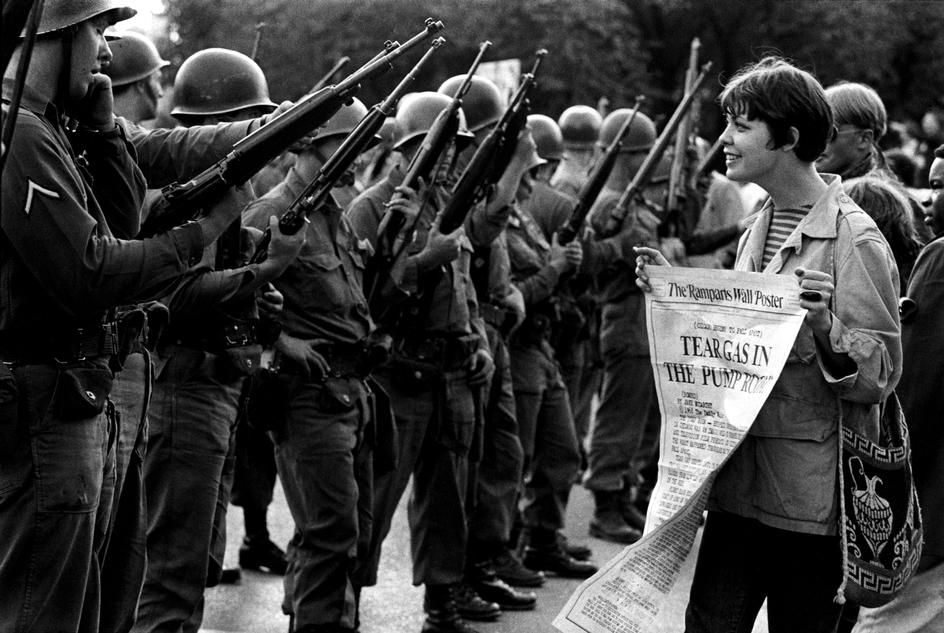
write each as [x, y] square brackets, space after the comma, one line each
[628, 403]
[57, 480]
[321, 424]
[433, 402]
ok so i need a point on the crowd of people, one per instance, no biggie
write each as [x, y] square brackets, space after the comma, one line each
[154, 373]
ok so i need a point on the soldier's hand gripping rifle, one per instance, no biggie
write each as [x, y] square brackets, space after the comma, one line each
[591, 189]
[315, 193]
[183, 201]
[635, 188]
[492, 156]
[392, 232]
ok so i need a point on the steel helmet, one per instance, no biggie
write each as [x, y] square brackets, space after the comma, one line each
[341, 124]
[61, 14]
[219, 81]
[640, 136]
[580, 126]
[416, 113]
[483, 103]
[134, 57]
[547, 136]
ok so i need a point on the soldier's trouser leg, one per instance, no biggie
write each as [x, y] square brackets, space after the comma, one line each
[124, 557]
[628, 390]
[582, 376]
[500, 467]
[55, 501]
[254, 478]
[191, 423]
[547, 436]
[317, 457]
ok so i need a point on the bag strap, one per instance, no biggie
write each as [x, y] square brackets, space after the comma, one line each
[840, 597]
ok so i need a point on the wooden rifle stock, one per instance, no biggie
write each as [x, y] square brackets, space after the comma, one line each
[354, 143]
[601, 171]
[183, 201]
[643, 175]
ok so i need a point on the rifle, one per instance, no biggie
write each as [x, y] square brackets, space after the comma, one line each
[15, 16]
[392, 234]
[591, 189]
[440, 134]
[354, 143]
[678, 178]
[251, 153]
[492, 156]
[641, 179]
[257, 42]
[328, 76]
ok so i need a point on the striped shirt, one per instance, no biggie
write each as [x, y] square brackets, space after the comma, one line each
[782, 224]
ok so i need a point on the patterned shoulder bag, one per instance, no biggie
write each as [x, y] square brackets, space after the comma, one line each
[879, 516]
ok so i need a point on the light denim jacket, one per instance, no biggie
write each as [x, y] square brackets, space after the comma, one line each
[784, 473]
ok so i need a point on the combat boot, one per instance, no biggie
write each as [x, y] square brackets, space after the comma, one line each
[442, 616]
[545, 553]
[608, 522]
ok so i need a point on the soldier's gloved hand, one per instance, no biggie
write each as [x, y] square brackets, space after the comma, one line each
[303, 354]
[270, 302]
[96, 108]
[480, 367]
[440, 249]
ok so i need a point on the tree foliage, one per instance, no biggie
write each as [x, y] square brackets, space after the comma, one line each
[598, 48]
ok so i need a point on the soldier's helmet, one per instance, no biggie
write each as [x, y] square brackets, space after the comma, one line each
[547, 136]
[580, 126]
[640, 136]
[483, 104]
[134, 57]
[61, 14]
[415, 116]
[219, 81]
[341, 124]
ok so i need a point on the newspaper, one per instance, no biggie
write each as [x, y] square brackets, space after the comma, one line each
[718, 342]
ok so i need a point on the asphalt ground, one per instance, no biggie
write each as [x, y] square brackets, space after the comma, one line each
[394, 605]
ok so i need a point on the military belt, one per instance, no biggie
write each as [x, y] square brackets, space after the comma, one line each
[71, 346]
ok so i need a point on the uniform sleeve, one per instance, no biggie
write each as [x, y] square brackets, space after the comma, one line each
[117, 181]
[865, 324]
[483, 226]
[404, 279]
[171, 155]
[47, 221]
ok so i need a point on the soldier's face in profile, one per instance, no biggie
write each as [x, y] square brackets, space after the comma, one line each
[90, 53]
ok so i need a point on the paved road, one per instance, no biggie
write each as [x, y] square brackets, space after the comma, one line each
[394, 605]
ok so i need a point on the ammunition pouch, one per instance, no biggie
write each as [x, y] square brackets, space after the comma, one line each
[501, 318]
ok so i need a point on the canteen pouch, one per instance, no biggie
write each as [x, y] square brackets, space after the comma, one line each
[81, 392]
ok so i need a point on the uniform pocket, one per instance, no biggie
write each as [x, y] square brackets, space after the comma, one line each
[81, 392]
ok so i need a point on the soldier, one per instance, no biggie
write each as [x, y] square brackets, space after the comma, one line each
[627, 404]
[320, 419]
[552, 458]
[55, 334]
[203, 357]
[135, 72]
[580, 128]
[439, 365]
